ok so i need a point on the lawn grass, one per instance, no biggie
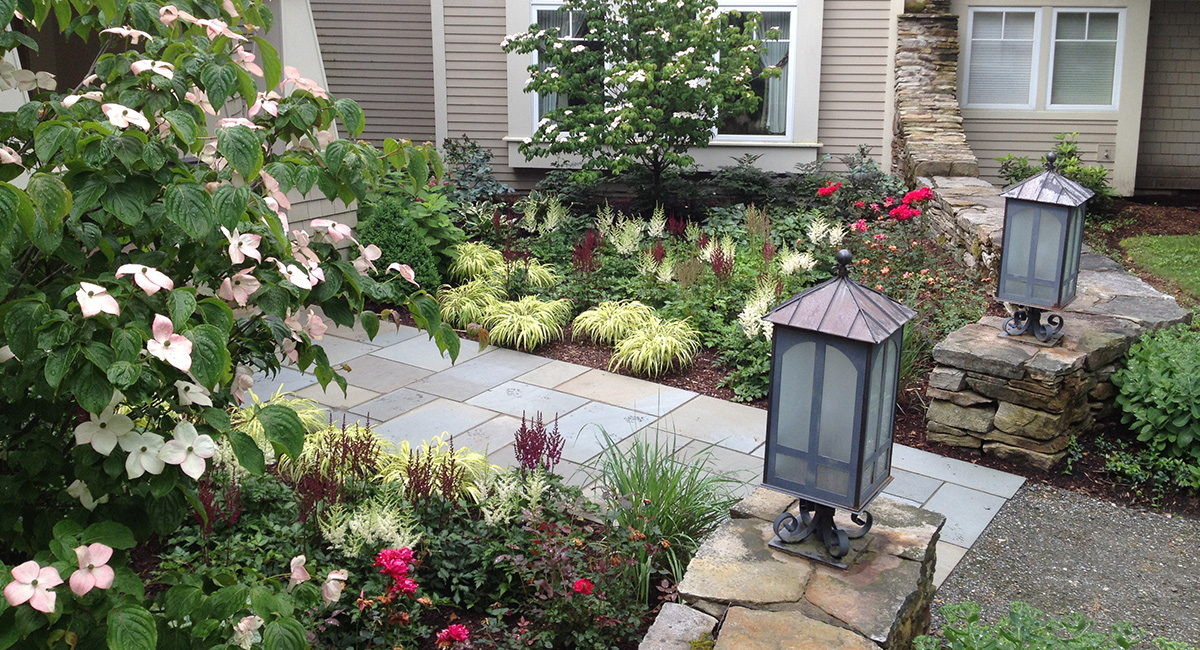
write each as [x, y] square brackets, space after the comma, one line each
[1172, 257]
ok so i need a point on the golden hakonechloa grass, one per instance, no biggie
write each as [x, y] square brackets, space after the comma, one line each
[656, 348]
[609, 322]
[474, 261]
[467, 304]
[526, 324]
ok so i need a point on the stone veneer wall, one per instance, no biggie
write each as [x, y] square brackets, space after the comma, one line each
[766, 600]
[1004, 396]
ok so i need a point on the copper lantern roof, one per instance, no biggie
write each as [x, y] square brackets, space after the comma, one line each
[1050, 187]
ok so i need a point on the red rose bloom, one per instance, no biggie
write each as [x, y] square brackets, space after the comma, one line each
[584, 586]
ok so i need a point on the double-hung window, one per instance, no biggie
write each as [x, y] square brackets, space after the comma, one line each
[774, 112]
[1002, 57]
[1086, 59]
[571, 27]
[1003, 60]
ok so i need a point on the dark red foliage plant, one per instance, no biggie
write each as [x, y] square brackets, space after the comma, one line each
[584, 255]
[538, 447]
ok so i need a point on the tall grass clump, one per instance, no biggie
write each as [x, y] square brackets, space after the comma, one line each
[656, 348]
[610, 321]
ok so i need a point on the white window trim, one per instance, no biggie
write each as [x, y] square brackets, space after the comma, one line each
[1035, 64]
[778, 6]
[535, 99]
[1117, 62]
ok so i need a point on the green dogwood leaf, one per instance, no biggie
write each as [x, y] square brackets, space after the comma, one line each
[248, 454]
[283, 428]
[189, 207]
[210, 356]
[284, 634]
[241, 147]
[131, 627]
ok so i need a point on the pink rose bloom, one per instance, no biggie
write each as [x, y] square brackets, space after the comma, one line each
[32, 583]
[93, 569]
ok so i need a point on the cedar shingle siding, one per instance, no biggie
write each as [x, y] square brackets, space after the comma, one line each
[1169, 155]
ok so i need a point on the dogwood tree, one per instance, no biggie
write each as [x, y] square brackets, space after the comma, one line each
[624, 83]
[148, 270]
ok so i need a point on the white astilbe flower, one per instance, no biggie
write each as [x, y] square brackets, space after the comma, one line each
[710, 249]
[628, 236]
[606, 221]
[759, 303]
[728, 247]
[666, 270]
[836, 233]
[817, 230]
[657, 224]
[382, 521]
[791, 262]
[692, 232]
[646, 264]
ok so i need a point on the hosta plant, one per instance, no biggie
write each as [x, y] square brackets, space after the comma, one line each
[526, 324]
[610, 321]
[657, 348]
[148, 269]
[1159, 391]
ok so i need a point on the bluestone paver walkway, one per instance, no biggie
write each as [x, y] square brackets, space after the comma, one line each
[411, 393]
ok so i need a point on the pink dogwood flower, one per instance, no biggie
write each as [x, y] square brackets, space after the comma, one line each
[243, 380]
[150, 279]
[227, 122]
[299, 573]
[273, 191]
[123, 116]
[316, 327]
[331, 591]
[200, 98]
[134, 35]
[242, 246]
[190, 393]
[370, 253]
[336, 231]
[94, 299]
[8, 156]
[168, 346]
[268, 102]
[169, 14]
[93, 571]
[295, 275]
[32, 583]
[157, 67]
[104, 431]
[71, 100]
[239, 288]
[188, 450]
[143, 450]
[245, 59]
[292, 75]
[405, 272]
[216, 27]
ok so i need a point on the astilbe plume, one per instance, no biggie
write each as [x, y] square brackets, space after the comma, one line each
[676, 225]
[722, 264]
[219, 505]
[768, 251]
[426, 476]
[339, 459]
[659, 252]
[584, 255]
[538, 447]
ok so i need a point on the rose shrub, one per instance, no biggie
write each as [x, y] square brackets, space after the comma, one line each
[147, 271]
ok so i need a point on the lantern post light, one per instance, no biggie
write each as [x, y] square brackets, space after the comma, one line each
[1039, 260]
[835, 368]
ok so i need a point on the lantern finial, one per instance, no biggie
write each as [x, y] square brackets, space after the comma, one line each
[1051, 158]
[843, 259]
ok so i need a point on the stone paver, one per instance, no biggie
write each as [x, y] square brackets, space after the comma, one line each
[554, 373]
[910, 486]
[516, 398]
[433, 419]
[948, 557]
[584, 429]
[340, 350]
[419, 351]
[984, 479]
[490, 436]
[967, 512]
[382, 375]
[675, 627]
[387, 334]
[627, 392]
[386, 407]
[333, 397]
[474, 376]
[288, 379]
[708, 419]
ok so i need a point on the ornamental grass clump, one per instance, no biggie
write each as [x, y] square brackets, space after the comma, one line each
[526, 324]
[431, 462]
[656, 348]
[474, 260]
[468, 303]
[610, 321]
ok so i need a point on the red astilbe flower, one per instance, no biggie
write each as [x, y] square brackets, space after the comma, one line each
[658, 252]
[536, 446]
[722, 264]
[584, 255]
[676, 225]
[768, 251]
[829, 189]
[702, 242]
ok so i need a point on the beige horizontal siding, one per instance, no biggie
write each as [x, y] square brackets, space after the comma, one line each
[854, 68]
[380, 53]
[476, 79]
[1169, 150]
[993, 138]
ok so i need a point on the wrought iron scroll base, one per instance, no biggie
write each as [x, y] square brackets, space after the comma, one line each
[816, 522]
[1027, 321]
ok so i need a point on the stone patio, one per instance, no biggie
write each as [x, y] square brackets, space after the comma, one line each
[411, 393]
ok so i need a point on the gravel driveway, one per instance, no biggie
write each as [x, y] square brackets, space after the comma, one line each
[1066, 552]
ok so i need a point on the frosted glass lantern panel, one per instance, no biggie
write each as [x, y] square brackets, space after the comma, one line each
[1051, 232]
[791, 468]
[839, 400]
[833, 480]
[1016, 250]
[875, 397]
[794, 414]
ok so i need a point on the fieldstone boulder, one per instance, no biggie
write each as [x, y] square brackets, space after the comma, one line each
[977, 418]
[676, 627]
[1044, 462]
[749, 629]
[735, 564]
[979, 348]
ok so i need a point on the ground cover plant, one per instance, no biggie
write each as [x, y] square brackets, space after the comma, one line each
[148, 270]
[1176, 258]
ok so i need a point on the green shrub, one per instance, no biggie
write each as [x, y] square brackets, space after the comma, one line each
[1160, 391]
[1026, 628]
[657, 348]
[400, 241]
[1015, 169]
[609, 322]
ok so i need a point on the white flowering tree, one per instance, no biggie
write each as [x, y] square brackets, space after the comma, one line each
[625, 83]
[147, 270]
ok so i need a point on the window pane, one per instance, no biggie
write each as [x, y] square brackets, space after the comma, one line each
[770, 118]
[1072, 26]
[1103, 27]
[1083, 73]
[1001, 60]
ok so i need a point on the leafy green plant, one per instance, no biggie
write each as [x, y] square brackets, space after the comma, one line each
[675, 499]
[471, 172]
[656, 348]
[610, 321]
[527, 323]
[1159, 391]
[474, 260]
[468, 303]
[1015, 169]
[422, 195]
[530, 272]
[396, 465]
[390, 228]
[1027, 628]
